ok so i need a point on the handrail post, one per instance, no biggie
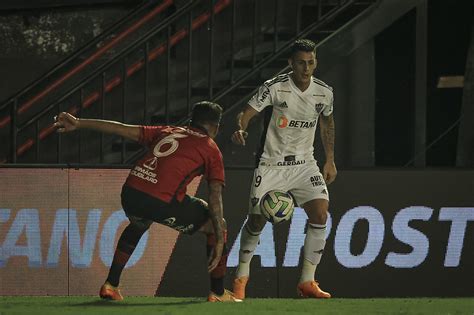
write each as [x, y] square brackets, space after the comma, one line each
[275, 27]
[37, 140]
[13, 130]
[167, 81]
[124, 103]
[146, 79]
[232, 44]
[190, 61]
[79, 132]
[211, 50]
[254, 34]
[320, 9]
[102, 113]
[298, 17]
[59, 143]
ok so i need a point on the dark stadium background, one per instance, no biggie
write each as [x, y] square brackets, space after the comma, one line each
[404, 138]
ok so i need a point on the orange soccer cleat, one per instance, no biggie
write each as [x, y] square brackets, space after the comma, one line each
[109, 292]
[239, 287]
[310, 289]
[226, 297]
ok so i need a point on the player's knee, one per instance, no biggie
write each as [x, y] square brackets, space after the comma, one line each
[256, 223]
[317, 211]
[317, 216]
[322, 217]
[139, 225]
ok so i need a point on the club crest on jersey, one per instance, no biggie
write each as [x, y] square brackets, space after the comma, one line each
[319, 107]
[282, 122]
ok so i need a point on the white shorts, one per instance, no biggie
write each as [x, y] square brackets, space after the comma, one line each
[305, 182]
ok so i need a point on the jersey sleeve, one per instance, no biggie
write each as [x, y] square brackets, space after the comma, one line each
[215, 165]
[149, 133]
[261, 99]
[329, 107]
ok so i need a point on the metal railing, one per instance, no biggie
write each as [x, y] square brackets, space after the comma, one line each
[279, 48]
[146, 12]
[87, 100]
[218, 74]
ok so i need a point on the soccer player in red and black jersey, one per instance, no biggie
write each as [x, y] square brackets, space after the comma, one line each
[155, 190]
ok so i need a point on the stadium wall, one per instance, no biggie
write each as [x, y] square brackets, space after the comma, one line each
[391, 233]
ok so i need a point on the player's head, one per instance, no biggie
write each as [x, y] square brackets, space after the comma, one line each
[207, 115]
[302, 60]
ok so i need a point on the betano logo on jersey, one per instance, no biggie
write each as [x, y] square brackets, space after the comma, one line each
[282, 122]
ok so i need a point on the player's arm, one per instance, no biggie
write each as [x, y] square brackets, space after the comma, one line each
[328, 137]
[66, 122]
[216, 216]
[243, 119]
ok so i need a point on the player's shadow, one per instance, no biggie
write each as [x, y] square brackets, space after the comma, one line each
[102, 303]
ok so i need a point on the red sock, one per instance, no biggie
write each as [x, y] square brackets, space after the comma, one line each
[125, 247]
[217, 275]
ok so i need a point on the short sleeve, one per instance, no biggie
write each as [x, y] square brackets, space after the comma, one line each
[261, 99]
[329, 107]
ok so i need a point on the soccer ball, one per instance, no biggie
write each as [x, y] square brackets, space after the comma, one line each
[277, 206]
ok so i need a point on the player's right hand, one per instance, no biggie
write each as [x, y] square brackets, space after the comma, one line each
[239, 136]
[215, 256]
[66, 122]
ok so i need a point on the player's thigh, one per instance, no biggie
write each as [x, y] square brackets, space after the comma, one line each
[307, 184]
[134, 204]
[264, 179]
[187, 217]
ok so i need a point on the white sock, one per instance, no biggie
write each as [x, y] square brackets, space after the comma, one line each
[314, 243]
[307, 272]
[248, 242]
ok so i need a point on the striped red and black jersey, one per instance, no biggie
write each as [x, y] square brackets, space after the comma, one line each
[176, 155]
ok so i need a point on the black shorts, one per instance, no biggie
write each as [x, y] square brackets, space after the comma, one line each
[186, 216]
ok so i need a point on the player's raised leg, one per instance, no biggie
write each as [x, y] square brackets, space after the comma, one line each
[125, 247]
[249, 239]
[314, 244]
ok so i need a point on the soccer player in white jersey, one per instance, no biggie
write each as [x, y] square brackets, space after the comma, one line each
[293, 103]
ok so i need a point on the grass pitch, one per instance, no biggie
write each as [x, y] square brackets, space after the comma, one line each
[190, 306]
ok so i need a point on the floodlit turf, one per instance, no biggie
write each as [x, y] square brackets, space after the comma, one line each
[189, 306]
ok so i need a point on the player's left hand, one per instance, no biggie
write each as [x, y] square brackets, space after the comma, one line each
[215, 256]
[329, 172]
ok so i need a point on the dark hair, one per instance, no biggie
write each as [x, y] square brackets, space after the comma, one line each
[302, 45]
[206, 112]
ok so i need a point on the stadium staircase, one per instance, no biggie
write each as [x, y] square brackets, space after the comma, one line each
[151, 66]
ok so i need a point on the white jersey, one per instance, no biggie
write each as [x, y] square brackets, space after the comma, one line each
[290, 122]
